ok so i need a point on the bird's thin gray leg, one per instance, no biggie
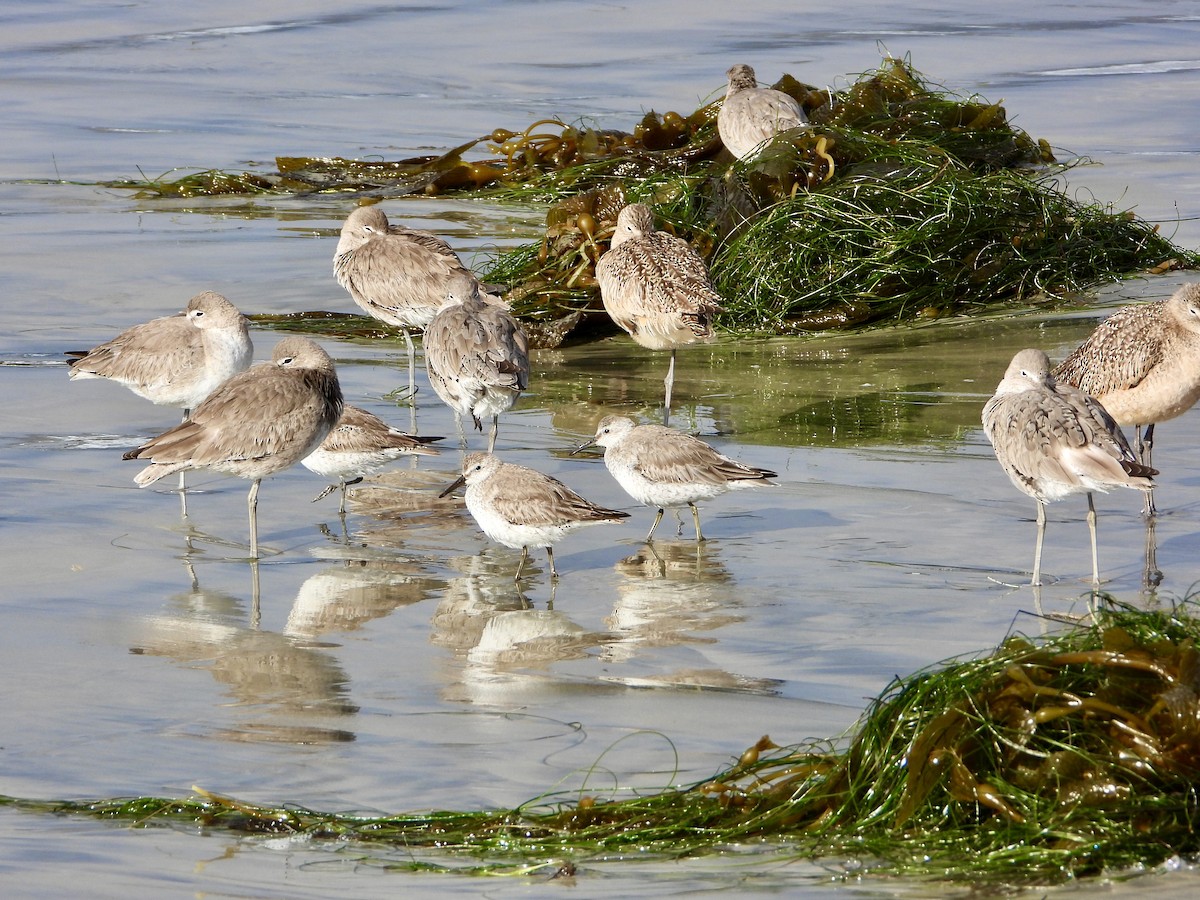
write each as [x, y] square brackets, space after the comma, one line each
[669, 382]
[521, 564]
[252, 505]
[696, 519]
[1145, 450]
[1037, 553]
[1091, 517]
[553, 571]
[657, 519]
[492, 436]
[342, 505]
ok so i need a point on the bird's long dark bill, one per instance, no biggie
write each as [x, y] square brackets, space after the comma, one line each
[454, 485]
[584, 446]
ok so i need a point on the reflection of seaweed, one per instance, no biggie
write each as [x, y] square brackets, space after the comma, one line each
[900, 201]
[1031, 765]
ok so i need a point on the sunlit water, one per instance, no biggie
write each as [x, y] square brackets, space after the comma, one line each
[388, 664]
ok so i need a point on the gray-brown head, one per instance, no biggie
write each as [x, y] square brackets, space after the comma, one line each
[1028, 369]
[612, 429]
[475, 468]
[634, 221]
[1184, 306]
[301, 353]
[741, 78]
[462, 287]
[365, 223]
[209, 309]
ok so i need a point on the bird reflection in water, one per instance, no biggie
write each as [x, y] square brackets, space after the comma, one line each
[289, 690]
[671, 590]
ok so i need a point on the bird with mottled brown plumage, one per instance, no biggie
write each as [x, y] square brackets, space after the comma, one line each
[1143, 364]
[661, 467]
[257, 423]
[477, 356]
[750, 115]
[396, 274]
[1053, 440]
[656, 288]
[174, 360]
[522, 507]
[359, 445]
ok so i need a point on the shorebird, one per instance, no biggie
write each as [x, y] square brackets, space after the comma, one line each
[477, 356]
[662, 467]
[751, 116]
[520, 507]
[175, 360]
[656, 287]
[360, 444]
[397, 275]
[1143, 364]
[1053, 440]
[259, 422]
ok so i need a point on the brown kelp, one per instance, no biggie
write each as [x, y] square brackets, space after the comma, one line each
[1044, 760]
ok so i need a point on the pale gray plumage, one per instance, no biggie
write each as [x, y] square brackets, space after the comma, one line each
[751, 116]
[656, 288]
[1053, 440]
[521, 507]
[1143, 364]
[477, 356]
[398, 275]
[662, 467]
[174, 360]
[360, 444]
[259, 422]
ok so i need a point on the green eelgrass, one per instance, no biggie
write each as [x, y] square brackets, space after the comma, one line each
[1044, 760]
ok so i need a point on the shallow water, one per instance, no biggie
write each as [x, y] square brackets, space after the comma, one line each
[387, 664]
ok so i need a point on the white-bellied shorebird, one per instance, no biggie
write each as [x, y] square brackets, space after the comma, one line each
[656, 287]
[396, 274]
[750, 116]
[477, 356]
[1053, 440]
[521, 507]
[257, 423]
[360, 444]
[665, 468]
[175, 360]
[1143, 364]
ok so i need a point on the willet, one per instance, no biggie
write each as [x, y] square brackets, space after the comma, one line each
[360, 444]
[1054, 440]
[398, 275]
[1143, 364]
[259, 422]
[520, 507]
[662, 467]
[477, 356]
[656, 287]
[750, 116]
[175, 360]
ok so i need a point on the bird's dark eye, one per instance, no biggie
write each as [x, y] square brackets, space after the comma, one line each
[287, 360]
[198, 313]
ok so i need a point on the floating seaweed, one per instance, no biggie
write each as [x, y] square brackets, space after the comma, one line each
[1043, 761]
[900, 201]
